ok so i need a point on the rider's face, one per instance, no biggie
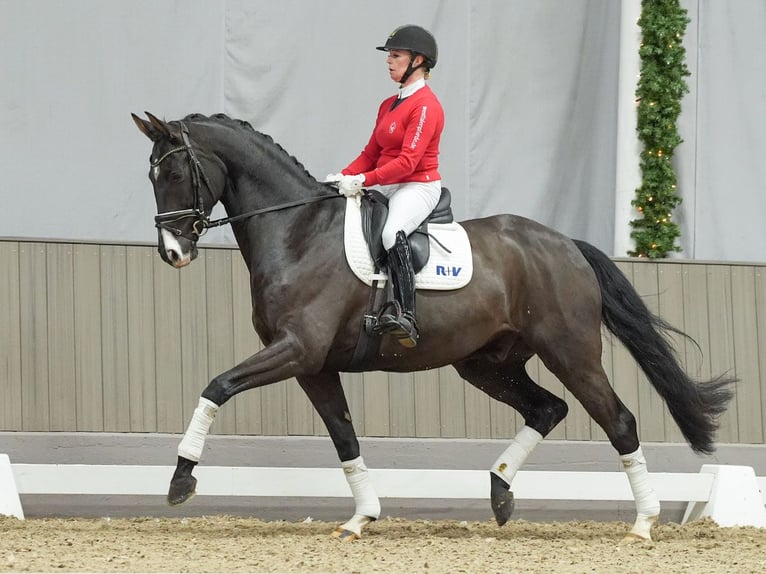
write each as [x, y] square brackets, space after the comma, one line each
[397, 61]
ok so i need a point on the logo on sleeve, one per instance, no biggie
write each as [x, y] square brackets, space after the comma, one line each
[415, 139]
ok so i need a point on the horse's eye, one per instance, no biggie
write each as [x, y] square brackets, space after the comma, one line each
[176, 176]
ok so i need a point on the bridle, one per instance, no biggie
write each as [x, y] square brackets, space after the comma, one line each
[201, 221]
[197, 212]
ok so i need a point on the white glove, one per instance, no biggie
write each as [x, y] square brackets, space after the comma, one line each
[350, 185]
[333, 177]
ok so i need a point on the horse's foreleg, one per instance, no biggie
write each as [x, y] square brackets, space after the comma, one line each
[541, 410]
[326, 394]
[183, 484]
[274, 363]
[367, 504]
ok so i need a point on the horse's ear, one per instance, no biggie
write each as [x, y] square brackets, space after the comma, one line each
[167, 130]
[147, 128]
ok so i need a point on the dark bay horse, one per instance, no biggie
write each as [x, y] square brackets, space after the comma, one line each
[533, 292]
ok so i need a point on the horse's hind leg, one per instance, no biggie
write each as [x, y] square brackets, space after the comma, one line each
[582, 374]
[542, 411]
[326, 394]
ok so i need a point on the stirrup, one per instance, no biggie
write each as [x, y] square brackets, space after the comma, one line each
[407, 334]
[390, 312]
[401, 325]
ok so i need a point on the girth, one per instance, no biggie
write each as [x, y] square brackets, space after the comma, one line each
[374, 212]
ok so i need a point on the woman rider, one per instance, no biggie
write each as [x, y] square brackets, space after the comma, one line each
[401, 159]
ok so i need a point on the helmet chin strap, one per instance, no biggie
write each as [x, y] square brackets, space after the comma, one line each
[409, 70]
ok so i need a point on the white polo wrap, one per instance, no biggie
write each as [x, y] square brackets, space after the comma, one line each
[647, 503]
[514, 456]
[367, 502]
[194, 439]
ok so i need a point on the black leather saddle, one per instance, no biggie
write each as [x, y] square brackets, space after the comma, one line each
[374, 215]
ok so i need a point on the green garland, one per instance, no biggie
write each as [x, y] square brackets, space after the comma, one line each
[661, 86]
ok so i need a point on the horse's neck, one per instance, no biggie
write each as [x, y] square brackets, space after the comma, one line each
[264, 175]
[267, 179]
[276, 244]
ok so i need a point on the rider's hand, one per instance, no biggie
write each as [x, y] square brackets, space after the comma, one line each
[333, 177]
[350, 185]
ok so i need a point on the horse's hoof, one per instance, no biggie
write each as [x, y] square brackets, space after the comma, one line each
[642, 530]
[631, 538]
[345, 535]
[181, 490]
[501, 498]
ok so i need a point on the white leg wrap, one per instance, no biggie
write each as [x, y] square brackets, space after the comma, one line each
[194, 439]
[514, 456]
[647, 503]
[367, 502]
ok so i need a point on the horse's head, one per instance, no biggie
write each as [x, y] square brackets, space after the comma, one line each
[188, 181]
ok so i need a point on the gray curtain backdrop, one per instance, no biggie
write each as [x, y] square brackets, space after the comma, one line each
[721, 167]
[529, 91]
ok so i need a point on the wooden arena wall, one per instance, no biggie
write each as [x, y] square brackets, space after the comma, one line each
[99, 337]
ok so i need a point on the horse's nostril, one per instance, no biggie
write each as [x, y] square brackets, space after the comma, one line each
[172, 255]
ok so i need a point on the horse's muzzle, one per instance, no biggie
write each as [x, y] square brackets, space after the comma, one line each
[176, 251]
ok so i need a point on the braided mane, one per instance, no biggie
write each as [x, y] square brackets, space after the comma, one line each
[245, 127]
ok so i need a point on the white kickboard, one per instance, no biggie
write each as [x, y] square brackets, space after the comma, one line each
[10, 503]
[444, 271]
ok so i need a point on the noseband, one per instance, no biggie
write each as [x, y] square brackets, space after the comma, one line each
[197, 212]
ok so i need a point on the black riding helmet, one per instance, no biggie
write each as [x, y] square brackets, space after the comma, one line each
[416, 40]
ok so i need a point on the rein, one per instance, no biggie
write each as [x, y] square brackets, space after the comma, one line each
[201, 221]
[226, 220]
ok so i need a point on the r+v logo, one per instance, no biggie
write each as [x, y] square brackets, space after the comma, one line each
[448, 271]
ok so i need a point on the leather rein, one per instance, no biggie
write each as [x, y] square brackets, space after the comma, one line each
[201, 221]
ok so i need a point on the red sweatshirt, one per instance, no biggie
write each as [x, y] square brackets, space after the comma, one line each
[404, 145]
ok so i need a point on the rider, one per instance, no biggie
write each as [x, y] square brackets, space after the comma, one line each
[401, 161]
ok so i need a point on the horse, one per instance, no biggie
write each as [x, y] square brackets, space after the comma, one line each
[533, 291]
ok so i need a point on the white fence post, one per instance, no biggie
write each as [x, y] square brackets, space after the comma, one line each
[10, 504]
[735, 499]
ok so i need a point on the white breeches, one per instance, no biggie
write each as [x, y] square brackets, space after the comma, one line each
[408, 206]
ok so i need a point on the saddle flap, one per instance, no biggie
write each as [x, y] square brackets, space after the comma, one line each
[374, 214]
[442, 213]
[450, 264]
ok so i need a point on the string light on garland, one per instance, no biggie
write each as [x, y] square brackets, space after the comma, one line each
[661, 86]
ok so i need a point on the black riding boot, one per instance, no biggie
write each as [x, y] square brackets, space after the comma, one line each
[398, 317]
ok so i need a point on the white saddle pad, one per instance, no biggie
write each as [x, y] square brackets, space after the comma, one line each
[443, 271]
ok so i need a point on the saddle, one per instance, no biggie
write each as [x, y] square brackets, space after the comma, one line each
[374, 211]
[450, 267]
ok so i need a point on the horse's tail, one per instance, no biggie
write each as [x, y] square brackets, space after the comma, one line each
[695, 406]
